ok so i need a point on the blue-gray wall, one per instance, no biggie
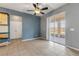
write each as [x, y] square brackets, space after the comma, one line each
[30, 23]
[72, 21]
[31, 27]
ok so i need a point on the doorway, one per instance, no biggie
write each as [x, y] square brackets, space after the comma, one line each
[56, 28]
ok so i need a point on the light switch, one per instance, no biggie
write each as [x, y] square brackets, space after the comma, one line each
[72, 29]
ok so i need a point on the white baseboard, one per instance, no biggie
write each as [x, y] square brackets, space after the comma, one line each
[30, 39]
[4, 43]
[43, 38]
[72, 48]
[7, 42]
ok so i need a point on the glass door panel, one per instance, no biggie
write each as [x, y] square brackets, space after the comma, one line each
[62, 28]
[52, 28]
[56, 30]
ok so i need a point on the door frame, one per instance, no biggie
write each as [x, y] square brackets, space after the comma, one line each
[47, 28]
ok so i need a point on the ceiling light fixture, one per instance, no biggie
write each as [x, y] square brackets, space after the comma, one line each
[37, 11]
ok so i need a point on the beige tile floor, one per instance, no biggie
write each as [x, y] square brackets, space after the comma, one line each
[36, 48]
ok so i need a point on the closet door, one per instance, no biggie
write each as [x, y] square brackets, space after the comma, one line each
[18, 29]
[15, 27]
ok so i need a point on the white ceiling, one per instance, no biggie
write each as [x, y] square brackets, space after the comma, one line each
[23, 7]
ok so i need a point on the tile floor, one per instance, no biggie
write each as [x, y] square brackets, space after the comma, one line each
[58, 40]
[36, 48]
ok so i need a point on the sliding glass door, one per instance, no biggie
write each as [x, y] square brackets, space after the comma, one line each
[57, 28]
[62, 28]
